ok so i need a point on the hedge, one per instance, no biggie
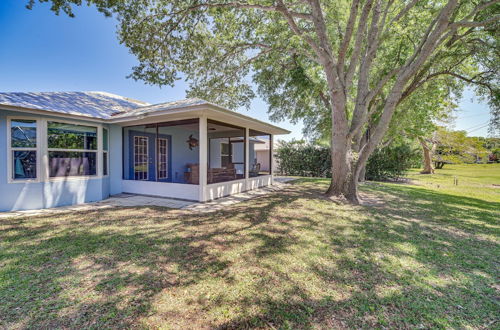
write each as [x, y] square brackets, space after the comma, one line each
[298, 158]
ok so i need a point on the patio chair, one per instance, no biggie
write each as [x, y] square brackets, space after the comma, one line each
[254, 171]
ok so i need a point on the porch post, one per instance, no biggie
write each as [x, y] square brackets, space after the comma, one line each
[203, 149]
[271, 157]
[247, 152]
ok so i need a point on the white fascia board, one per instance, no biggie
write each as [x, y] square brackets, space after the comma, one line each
[212, 112]
[209, 109]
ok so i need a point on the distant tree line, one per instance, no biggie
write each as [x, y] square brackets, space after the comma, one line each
[391, 161]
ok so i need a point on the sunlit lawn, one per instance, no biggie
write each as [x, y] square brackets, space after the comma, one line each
[424, 255]
[476, 180]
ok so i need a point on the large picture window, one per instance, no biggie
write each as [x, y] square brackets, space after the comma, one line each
[23, 148]
[72, 149]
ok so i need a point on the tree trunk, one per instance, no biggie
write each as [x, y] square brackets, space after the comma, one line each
[428, 169]
[439, 165]
[343, 184]
[362, 174]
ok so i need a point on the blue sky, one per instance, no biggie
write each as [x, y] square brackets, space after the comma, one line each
[40, 51]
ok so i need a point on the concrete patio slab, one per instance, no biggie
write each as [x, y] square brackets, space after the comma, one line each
[131, 200]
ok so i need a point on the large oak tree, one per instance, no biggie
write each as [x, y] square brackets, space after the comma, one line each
[346, 64]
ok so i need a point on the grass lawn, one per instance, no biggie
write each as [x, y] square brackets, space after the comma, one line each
[423, 255]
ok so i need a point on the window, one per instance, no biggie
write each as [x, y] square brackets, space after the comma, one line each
[140, 158]
[105, 143]
[162, 158]
[72, 163]
[72, 149]
[23, 148]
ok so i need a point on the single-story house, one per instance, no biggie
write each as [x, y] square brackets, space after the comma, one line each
[65, 148]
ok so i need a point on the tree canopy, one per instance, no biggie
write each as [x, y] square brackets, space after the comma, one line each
[348, 65]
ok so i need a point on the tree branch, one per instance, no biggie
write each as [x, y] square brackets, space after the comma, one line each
[346, 40]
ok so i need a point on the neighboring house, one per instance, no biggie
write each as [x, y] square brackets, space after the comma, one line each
[66, 148]
[263, 155]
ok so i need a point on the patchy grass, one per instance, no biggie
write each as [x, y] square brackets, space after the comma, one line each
[424, 257]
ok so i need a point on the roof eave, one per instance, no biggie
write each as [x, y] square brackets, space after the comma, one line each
[50, 113]
[268, 128]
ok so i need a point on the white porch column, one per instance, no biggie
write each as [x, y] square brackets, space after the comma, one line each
[203, 148]
[247, 153]
[271, 157]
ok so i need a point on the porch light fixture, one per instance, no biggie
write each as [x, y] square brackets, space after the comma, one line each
[192, 142]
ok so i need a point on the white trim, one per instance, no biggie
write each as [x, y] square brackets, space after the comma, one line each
[227, 188]
[159, 160]
[99, 154]
[247, 153]
[146, 155]
[204, 109]
[107, 163]
[10, 164]
[104, 151]
[72, 150]
[98, 127]
[203, 158]
[44, 160]
[42, 150]
[163, 189]
[207, 109]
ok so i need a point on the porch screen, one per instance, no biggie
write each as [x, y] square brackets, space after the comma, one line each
[226, 152]
[162, 152]
[260, 161]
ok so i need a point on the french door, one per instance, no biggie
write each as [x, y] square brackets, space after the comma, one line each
[149, 157]
[162, 169]
[141, 158]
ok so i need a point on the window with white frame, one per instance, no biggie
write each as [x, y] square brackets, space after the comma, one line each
[162, 158]
[23, 149]
[72, 149]
[141, 155]
[105, 158]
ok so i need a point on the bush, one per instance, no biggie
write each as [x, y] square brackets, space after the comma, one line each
[392, 162]
[303, 159]
[309, 160]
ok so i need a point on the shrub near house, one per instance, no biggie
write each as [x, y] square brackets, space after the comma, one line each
[312, 160]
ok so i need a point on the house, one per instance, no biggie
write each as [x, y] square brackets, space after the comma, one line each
[262, 158]
[65, 148]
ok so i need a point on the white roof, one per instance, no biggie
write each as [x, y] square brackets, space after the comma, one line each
[90, 104]
[115, 108]
[161, 107]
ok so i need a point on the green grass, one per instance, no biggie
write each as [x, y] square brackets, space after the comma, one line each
[421, 255]
[474, 180]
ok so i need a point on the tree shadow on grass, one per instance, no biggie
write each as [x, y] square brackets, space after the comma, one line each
[289, 259]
